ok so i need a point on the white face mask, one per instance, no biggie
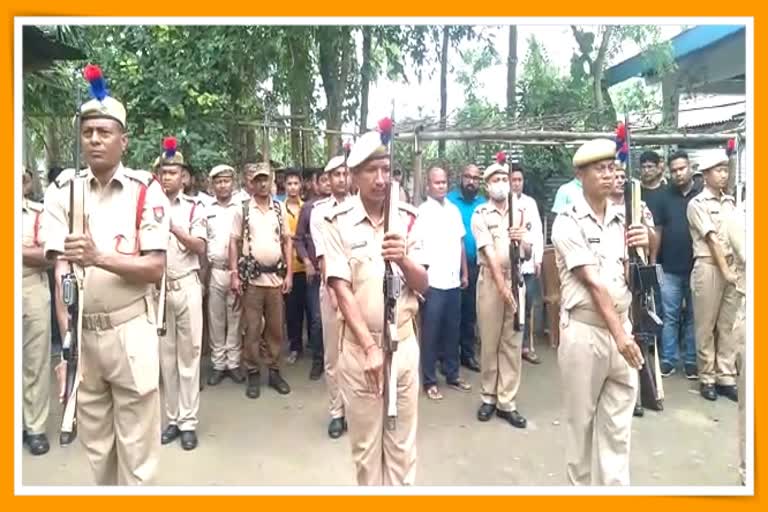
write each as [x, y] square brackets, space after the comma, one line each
[499, 190]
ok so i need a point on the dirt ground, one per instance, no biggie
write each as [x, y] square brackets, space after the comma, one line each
[282, 440]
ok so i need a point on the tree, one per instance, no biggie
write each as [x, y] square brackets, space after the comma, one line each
[365, 77]
[512, 72]
[335, 59]
[597, 48]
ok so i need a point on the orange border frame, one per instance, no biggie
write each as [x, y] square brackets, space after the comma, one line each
[395, 7]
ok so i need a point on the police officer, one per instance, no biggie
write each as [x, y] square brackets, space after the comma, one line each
[181, 347]
[261, 228]
[713, 281]
[223, 317]
[36, 323]
[122, 252]
[736, 229]
[356, 248]
[500, 345]
[597, 356]
[336, 169]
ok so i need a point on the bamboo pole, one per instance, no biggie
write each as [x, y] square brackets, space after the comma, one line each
[418, 178]
[560, 137]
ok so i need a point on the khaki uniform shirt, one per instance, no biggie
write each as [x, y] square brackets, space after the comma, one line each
[708, 214]
[580, 239]
[317, 223]
[219, 228]
[353, 254]
[265, 243]
[111, 213]
[31, 231]
[736, 228]
[188, 213]
[490, 227]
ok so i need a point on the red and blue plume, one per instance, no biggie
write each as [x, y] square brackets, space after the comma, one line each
[385, 129]
[730, 149]
[347, 147]
[169, 147]
[622, 149]
[95, 78]
[501, 158]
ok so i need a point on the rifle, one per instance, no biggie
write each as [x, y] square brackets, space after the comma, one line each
[644, 281]
[72, 289]
[517, 283]
[162, 325]
[392, 288]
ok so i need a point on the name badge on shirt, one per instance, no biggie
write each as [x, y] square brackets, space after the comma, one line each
[358, 244]
[593, 240]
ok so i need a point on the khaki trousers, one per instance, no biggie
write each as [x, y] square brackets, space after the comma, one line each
[740, 336]
[118, 402]
[382, 457]
[36, 351]
[223, 322]
[264, 313]
[500, 346]
[715, 304]
[331, 325]
[180, 351]
[599, 393]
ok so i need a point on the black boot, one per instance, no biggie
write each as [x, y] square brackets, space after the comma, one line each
[253, 388]
[277, 382]
[514, 418]
[170, 434]
[188, 440]
[485, 412]
[317, 369]
[215, 377]
[38, 444]
[337, 427]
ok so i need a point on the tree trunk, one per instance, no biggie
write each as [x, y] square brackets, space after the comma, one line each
[365, 78]
[52, 146]
[334, 59]
[300, 87]
[443, 90]
[512, 73]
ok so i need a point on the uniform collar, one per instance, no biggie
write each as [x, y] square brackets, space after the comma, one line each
[492, 206]
[613, 211]
[253, 204]
[119, 176]
[358, 213]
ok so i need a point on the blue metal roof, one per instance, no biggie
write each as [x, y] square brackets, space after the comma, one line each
[683, 44]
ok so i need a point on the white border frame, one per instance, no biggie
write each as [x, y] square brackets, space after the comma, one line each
[736, 490]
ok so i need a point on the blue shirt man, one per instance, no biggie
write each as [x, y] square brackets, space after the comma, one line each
[466, 199]
[567, 195]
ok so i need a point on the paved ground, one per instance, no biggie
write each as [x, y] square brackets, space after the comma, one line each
[282, 440]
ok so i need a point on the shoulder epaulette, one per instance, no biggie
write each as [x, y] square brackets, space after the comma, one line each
[339, 209]
[408, 208]
[321, 201]
[35, 206]
[144, 177]
[64, 177]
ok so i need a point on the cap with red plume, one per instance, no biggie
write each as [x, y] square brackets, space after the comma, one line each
[730, 149]
[385, 129]
[501, 157]
[95, 77]
[622, 149]
[347, 147]
[169, 147]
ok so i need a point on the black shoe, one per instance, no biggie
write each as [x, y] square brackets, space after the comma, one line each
[667, 369]
[337, 427]
[317, 370]
[471, 363]
[253, 388]
[485, 412]
[639, 411]
[170, 434]
[691, 372]
[188, 440]
[729, 392]
[708, 392]
[235, 375]
[215, 377]
[38, 444]
[66, 438]
[277, 382]
[513, 417]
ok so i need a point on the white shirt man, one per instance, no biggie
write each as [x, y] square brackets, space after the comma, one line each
[531, 220]
[442, 230]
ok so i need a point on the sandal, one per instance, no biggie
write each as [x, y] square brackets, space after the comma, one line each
[433, 393]
[531, 357]
[460, 385]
